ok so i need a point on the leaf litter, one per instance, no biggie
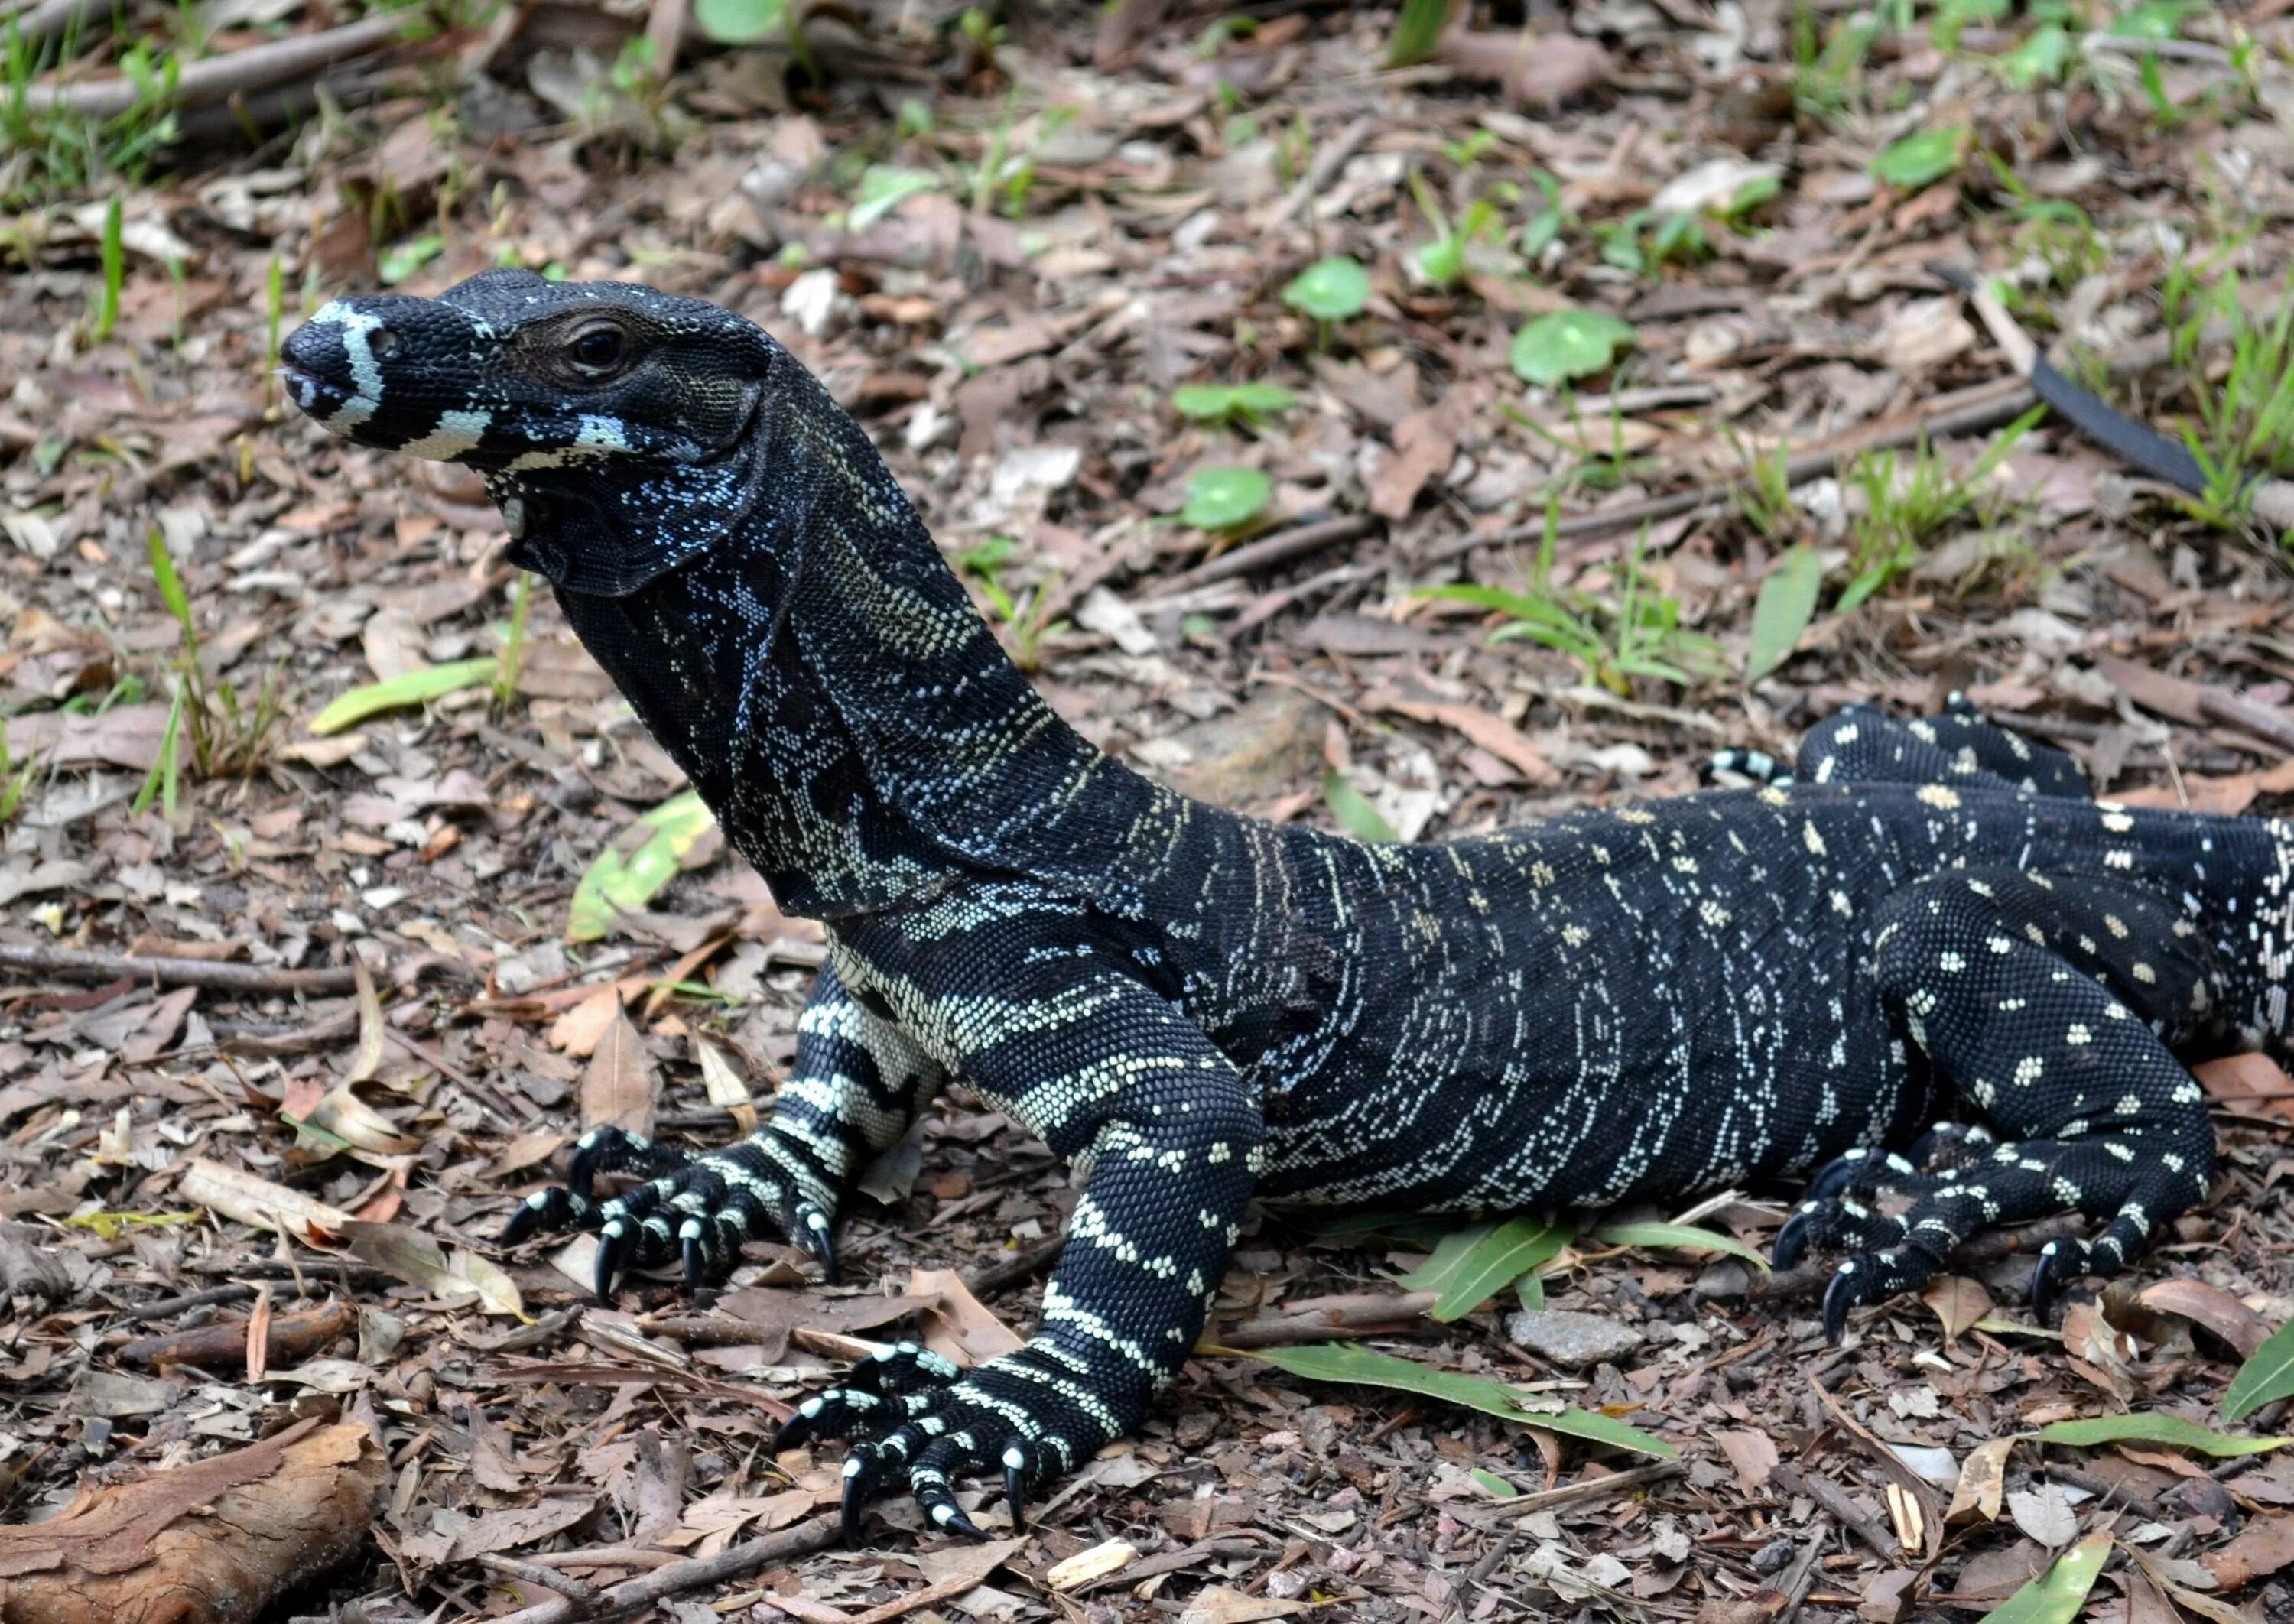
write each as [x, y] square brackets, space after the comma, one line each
[1549, 453]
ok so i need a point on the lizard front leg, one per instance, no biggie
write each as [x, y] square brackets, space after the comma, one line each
[1108, 1071]
[858, 1082]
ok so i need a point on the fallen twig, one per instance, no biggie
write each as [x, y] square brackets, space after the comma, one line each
[221, 78]
[1327, 161]
[1585, 1489]
[78, 964]
[580, 1590]
[1022, 1264]
[1363, 1316]
[1280, 547]
[678, 1577]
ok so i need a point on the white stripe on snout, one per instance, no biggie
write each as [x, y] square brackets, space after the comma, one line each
[457, 432]
[598, 437]
[366, 371]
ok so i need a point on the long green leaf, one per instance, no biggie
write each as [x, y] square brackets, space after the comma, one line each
[2268, 1374]
[410, 688]
[1678, 1236]
[1495, 1262]
[2057, 1594]
[1787, 605]
[2172, 1430]
[170, 584]
[1353, 808]
[624, 878]
[1333, 1361]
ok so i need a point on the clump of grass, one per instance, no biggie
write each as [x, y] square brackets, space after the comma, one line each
[1636, 634]
[1025, 614]
[224, 735]
[1907, 504]
[2244, 424]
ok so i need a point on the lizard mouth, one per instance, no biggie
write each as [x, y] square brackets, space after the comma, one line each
[332, 405]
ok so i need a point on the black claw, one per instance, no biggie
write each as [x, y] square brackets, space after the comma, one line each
[1838, 1299]
[524, 1221]
[612, 1249]
[1015, 1495]
[1832, 1179]
[795, 1432]
[956, 1523]
[815, 1239]
[850, 1522]
[581, 1172]
[696, 1268]
[1791, 1241]
[2042, 1286]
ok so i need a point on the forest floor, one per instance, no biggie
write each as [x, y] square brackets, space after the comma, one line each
[1656, 250]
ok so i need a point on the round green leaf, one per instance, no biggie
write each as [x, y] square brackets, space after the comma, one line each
[1564, 344]
[1329, 290]
[1216, 402]
[1220, 498]
[1922, 158]
[740, 22]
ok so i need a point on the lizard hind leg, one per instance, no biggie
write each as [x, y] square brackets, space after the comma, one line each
[1864, 745]
[2051, 1002]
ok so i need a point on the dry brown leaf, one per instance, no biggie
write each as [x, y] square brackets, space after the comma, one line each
[618, 1085]
[1486, 728]
[2263, 1546]
[259, 1203]
[957, 1324]
[1959, 1303]
[2238, 1079]
[1754, 1455]
[2211, 1308]
[584, 1027]
[1982, 1478]
[724, 1086]
[412, 1256]
[1533, 68]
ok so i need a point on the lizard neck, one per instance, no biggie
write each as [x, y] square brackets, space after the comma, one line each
[784, 624]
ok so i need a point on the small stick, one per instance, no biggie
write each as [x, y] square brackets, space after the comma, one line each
[1365, 1316]
[1022, 1264]
[636, 1595]
[77, 964]
[1588, 1489]
[1280, 547]
[218, 78]
[167, 1307]
[1327, 163]
[549, 1579]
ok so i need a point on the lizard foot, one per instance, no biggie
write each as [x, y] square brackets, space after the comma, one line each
[912, 1415]
[1836, 1210]
[695, 1210]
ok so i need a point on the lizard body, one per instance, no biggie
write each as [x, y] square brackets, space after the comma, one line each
[1205, 1009]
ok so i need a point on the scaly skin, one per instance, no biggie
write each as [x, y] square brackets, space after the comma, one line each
[1210, 1009]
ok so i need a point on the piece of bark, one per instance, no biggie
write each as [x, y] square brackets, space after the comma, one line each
[26, 1267]
[212, 1543]
[293, 1337]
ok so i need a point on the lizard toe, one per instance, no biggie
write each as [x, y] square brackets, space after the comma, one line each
[903, 1368]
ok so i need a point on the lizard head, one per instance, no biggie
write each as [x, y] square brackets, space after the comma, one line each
[620, 430]
[510, 372]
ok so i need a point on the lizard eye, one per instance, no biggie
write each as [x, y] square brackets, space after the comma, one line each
[598, 350]
[382, 344]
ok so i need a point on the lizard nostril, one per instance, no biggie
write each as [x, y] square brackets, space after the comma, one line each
[382, 344]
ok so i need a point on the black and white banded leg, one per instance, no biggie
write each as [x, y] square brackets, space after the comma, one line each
[1865, 745]
[857, 1083]
[2051, 1003]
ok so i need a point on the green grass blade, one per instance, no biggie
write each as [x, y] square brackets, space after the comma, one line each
[2057, 1594]
[2172, 1430]
[2268, 1375]
[413, 688]
[1676, 1236]
[1353, 811]
[1364, 1366]
[623, 878]
[1495, 1260]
